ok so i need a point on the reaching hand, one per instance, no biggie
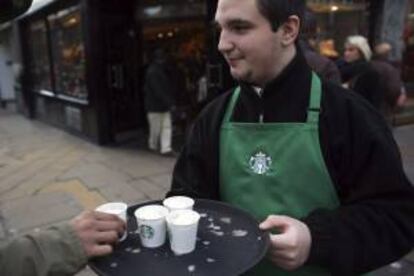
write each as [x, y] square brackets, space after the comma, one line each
[290, 248]
[97, 232]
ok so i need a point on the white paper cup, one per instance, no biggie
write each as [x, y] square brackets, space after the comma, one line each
[152, 226]
[182, 230]
[115, 208]
[178, 203]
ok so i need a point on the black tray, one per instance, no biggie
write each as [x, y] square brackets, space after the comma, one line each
[234, 246]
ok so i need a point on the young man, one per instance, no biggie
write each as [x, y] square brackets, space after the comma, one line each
[315, 162]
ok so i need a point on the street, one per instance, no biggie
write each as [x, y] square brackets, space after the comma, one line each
[56, 175]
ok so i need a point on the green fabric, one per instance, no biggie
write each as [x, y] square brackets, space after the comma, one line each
[276, 168]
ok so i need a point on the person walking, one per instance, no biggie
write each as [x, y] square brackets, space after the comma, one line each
[314, 162]
[358, 73]
[159, 99]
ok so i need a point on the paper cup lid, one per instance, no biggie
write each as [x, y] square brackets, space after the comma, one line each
[183, 217]
[151, 212]
[178, 202]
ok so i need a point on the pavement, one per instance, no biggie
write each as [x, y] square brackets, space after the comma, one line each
[56, 175]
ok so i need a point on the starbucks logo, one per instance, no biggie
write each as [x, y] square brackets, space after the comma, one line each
[260, 163]
[146, 232]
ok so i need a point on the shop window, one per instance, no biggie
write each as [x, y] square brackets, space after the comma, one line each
[337, 19]
[68, 53]
[39, 65]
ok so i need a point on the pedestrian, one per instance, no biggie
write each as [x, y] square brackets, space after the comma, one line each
[314, 162]
[63, 249]
[358, 73]
[323, 66]
[394, 89]
[159, 99]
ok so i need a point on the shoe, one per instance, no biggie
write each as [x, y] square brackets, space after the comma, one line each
[170, 154]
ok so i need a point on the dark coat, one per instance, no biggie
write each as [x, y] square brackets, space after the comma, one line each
[392, 81]
[323, 66]
[374, 225]
[158, 88]
[364, 80]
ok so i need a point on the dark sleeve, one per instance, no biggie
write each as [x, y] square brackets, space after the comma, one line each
[394, 87]
[196, 172]
[374, 224]
[372, 87]
[56, 251]
[331, 72]
[189, 173]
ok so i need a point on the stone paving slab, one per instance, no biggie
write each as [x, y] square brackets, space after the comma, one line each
[95, 175]
[162, 180]
[88, 199]
[31, 169]
[36, 211]
[150, 189]
[123, 192]
[2, 232]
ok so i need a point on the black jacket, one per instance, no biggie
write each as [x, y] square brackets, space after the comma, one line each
[366, 81]
[374, 224]
[158, 88]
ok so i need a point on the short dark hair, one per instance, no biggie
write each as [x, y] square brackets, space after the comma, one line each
[278, 11]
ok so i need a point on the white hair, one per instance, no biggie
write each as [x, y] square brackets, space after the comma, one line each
[361, 43]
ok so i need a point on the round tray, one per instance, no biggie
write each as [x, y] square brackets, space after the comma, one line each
[229, 242]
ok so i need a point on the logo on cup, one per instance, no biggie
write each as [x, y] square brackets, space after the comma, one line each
[147, 232]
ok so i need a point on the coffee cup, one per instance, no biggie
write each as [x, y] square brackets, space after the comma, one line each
[152, 226]
[116, 208]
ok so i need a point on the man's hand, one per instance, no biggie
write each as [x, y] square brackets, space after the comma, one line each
[97, 232]
[290, 248]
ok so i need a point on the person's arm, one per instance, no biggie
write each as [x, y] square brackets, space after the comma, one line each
[374, 225]
[189, 175]
[63, 249]
[196, 171]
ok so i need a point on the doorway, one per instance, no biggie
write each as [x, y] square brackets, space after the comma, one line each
[180, 28]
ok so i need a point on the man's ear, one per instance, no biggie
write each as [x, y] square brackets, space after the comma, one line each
[290, 30]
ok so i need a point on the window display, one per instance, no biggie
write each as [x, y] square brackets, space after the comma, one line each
[39, 65]
[337, 20]
[68, 53]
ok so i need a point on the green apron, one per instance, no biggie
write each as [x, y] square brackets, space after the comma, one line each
[276, 168]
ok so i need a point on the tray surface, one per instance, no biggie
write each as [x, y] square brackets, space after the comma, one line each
[229, 242]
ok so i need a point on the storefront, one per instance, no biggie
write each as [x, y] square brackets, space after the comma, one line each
[80, 67]
[84, 60]
[337, 20]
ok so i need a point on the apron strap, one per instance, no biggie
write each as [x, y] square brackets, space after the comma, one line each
[315, 99]
[231, 105]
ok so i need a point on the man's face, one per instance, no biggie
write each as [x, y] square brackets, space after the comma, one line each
[351, 53]
[247, 41]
